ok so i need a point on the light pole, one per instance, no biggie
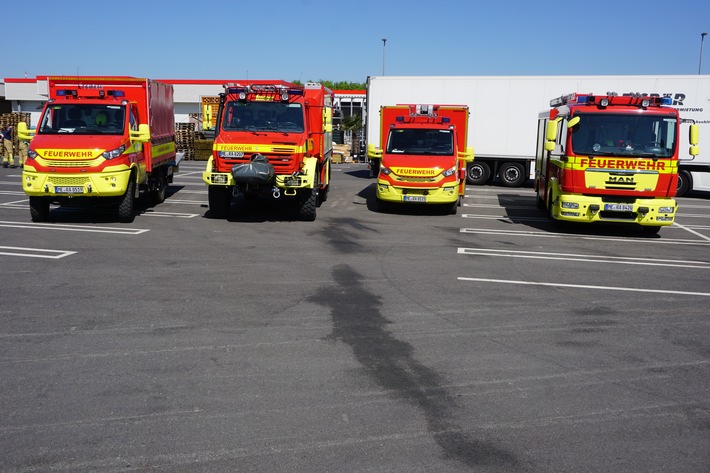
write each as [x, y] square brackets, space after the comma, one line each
[700, 63]
[384, 43]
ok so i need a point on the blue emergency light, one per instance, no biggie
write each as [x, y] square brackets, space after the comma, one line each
[666, 101]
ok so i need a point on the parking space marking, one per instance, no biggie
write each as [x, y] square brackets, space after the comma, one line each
[505, 218]
[187, 202]
[34, 252]
[584, 258]
[151, 213]
[584, 286]
[535, 234]
[73, 228]
[688, 229]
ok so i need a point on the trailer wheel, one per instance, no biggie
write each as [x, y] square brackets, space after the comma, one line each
[512, 174]
[39, 209]
[478, 173]
[684, 183]
[125, 207]
[219, 199]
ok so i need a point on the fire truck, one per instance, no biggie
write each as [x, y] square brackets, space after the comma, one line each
[273, 138]
[423, 155]
[100, 140]
[610, 158]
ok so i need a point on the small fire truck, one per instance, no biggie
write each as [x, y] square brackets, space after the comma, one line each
[610, 158]
[273, 138]
[100, 140]
[423, 155]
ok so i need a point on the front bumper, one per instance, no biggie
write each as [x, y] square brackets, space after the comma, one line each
[447, 194]
[648, 212]
[103, 184]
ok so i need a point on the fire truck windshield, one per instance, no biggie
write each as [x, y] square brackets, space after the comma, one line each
[629, 135]
[421, 141]
[83, 119]
[263, 116]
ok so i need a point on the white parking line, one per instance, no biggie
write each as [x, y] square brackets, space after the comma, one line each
[585, 258]
[583, 286]
[34, 252]
[151, 213]
[535, 234]
[687, 229]
[74, 228]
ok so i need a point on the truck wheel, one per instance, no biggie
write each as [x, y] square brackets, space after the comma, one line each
[684, 183]
[478, 173]
[512, 174]
[125, 207]
[39, 209]
[383, 206]
[307, 203]
[539, 202]
[453, 208]
[161, 190]
[219, 199]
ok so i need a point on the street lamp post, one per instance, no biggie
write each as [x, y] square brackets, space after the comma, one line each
[702, 38]
[384, 43]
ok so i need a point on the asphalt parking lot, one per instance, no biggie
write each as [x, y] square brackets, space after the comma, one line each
[411, 341]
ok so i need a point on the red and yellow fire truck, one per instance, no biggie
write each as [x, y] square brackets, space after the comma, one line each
[272, 138]
[423, 155]
[100, 140]
[610, 158]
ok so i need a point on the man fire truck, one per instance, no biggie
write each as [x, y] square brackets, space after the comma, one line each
[272, 138]
[610, 158]
[100, 140]
[423, 155]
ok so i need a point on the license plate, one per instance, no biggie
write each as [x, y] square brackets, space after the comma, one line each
[232, 154]
[619, 207]
[69, 190]
[414, 198]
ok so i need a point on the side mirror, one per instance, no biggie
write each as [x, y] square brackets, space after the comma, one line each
[24, 133]
[551, 131]
[549, 145]
[373, 152]
[143, 133]
[694, 150]
[573, 122]
[694, 134]
[467, 155]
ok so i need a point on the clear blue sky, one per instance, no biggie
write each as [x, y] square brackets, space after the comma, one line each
[342, 40]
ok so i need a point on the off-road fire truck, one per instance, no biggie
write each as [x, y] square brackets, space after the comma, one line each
[610, 158]
[423, 155]
[100, 140]
[273, 138]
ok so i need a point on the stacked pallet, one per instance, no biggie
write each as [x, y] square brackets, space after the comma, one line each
[185, 139]
[12, 119]
[203, 149]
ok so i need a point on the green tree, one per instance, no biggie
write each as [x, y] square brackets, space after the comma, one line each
[352, 122]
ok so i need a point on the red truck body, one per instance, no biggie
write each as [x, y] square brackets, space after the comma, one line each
[273, 138]
[423, 154]
[610, 158]
[100, 140]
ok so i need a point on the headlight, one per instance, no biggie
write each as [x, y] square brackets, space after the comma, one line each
[449, 172]
[570, 205]
[385, 171]
[31, 154]
[665, 210]
[114, 153]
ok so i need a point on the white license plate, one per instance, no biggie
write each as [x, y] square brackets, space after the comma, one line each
[619, 207]
[414, 198]
[232, 154]
[69, 190]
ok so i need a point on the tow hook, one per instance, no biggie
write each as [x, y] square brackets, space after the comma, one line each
[276, 192]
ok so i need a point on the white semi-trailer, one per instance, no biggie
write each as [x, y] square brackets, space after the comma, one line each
[504, 112]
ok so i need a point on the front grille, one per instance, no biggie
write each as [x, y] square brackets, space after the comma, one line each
[69, 164]
[70, 181]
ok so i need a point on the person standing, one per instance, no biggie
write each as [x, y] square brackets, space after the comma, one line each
[8, 158]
